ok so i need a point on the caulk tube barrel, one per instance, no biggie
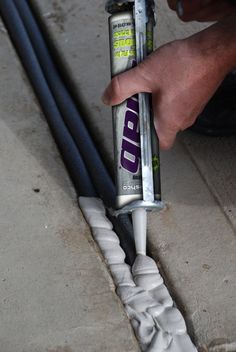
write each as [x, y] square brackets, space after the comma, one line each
[125, 116]
[155, 142]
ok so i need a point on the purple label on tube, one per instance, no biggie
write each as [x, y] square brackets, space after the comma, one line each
[130, 149]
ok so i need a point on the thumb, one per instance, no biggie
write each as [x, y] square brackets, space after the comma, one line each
[126, 85]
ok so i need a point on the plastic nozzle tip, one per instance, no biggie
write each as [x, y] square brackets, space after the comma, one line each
[139, 218]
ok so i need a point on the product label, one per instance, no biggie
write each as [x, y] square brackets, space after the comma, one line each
[125, 116]
[130, 148]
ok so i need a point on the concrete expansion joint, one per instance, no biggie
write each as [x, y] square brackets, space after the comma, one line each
[158, 324]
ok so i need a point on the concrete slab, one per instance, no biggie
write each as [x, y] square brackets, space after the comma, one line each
[56, 294]
[195, 246]
[215, 159]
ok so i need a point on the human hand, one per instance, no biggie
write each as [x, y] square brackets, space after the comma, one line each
[203, 10]
[180, 77]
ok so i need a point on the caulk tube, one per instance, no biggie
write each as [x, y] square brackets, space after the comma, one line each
[125, 116]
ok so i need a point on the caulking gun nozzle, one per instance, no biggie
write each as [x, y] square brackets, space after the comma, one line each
[139, 218]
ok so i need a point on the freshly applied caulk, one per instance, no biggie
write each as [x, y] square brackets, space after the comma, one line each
[158, 324]
[135, 142]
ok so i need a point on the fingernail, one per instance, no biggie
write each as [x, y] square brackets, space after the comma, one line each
[180, 9]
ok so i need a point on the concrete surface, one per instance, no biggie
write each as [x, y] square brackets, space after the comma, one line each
[56, 294]
[195, 246]
[193, 240]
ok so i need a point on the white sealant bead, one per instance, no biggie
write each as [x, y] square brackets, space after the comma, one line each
[141, 301]
[181, 343]
[105, 235]
[146, 273]
[162, 296]
[144, 265]
[158, 309]
[113, 253]
[92, 204]
[98, 220]
[160, 342]
[148, 281]
[126, 293]
[171, 321]
[144, 328]
[121, 274]
[94, 212]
